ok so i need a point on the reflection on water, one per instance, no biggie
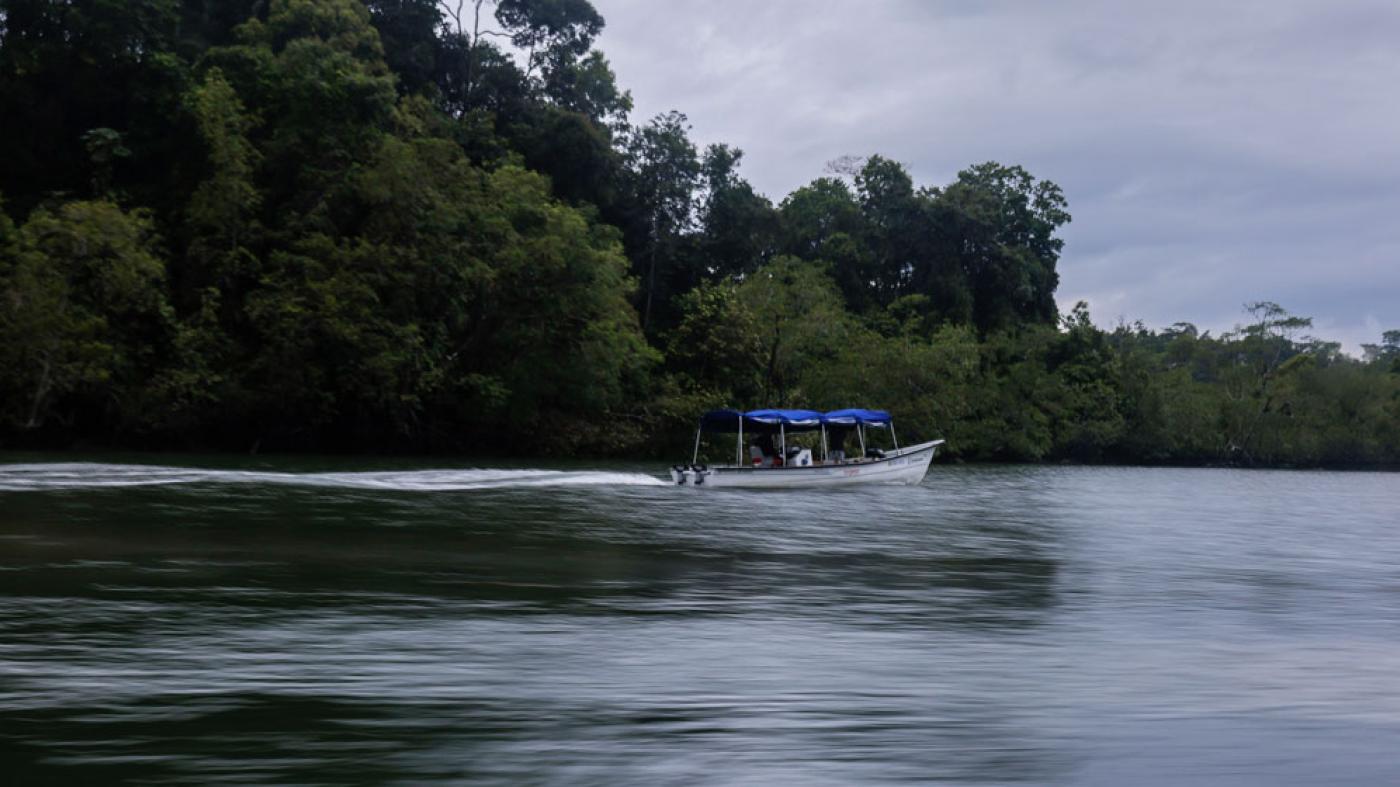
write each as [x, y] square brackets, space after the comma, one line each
[993, 625]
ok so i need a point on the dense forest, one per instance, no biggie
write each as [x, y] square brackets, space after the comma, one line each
[419, 226]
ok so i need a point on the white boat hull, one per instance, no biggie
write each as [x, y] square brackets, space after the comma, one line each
[905, 466]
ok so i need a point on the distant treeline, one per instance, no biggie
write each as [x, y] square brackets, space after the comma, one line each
[410, 225]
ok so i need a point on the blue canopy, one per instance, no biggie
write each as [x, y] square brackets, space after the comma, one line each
[856, 416]
[810, 419]
[764, 421]
[761, 421]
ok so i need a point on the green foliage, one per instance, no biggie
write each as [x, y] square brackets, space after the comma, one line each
[1387, 353]
[84, 313]
[665, 170]
[222, 210]
[550, 25]
[981, 250]
[801, 323]
[588, 86]
[1005, 221]
[927, 383]
[104, 148]
[563, 330]
[738, 226]
[408, 30]
[345, 224]
[717, 347]
[823, 221]
[85, 90]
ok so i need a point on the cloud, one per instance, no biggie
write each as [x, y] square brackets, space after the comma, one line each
[1213, 154]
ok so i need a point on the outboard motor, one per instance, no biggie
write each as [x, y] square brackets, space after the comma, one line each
[695, 474]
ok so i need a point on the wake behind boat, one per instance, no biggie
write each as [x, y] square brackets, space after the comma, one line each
[784, 466]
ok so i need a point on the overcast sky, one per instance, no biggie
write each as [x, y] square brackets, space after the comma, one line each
[1212, 153]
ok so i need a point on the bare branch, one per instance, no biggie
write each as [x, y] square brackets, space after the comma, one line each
[453, 13]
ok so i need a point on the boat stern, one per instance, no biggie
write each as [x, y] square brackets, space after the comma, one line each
[689, 475]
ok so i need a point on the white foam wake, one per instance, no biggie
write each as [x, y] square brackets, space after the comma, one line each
[35, 477]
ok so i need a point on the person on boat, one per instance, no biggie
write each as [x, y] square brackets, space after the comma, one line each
[763, 451]
[836, 443]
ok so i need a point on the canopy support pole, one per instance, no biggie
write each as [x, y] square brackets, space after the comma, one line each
[696, 456]
[860, 431]
[892, 437]
[824, 451]
[782, 444]
[739, 444]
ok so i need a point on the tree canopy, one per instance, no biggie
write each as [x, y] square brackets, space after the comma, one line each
[420, 225]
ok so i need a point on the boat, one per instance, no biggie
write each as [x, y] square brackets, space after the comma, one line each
[789, 467]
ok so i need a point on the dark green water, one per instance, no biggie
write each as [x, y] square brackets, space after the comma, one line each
[992, 626]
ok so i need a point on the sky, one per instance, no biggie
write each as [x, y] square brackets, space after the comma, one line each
[1212, 153]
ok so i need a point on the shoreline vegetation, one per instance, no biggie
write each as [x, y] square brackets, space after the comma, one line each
[412, 227]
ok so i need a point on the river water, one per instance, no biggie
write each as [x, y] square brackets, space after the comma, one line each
[300, 623]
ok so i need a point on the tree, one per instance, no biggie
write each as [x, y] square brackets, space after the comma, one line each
[93, 82]
[104, 149]
[891, 214]
[409, 31]
[222, 212]
[588, 86]
[718, 345]
[926, 383]
[998, 224]
[663, 170]
[327, 95]
[554, 35]
[738, 227]
[563, 332]
[84, 313]
[576, 154]
[1089, 420]
[801, 323]
[551, 32]
[823, 221]
[1258, 354]
[1386, 353]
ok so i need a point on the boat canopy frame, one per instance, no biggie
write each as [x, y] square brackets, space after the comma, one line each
[780, 422]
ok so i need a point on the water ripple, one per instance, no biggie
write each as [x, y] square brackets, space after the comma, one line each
[992, 625]
[40, 477]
